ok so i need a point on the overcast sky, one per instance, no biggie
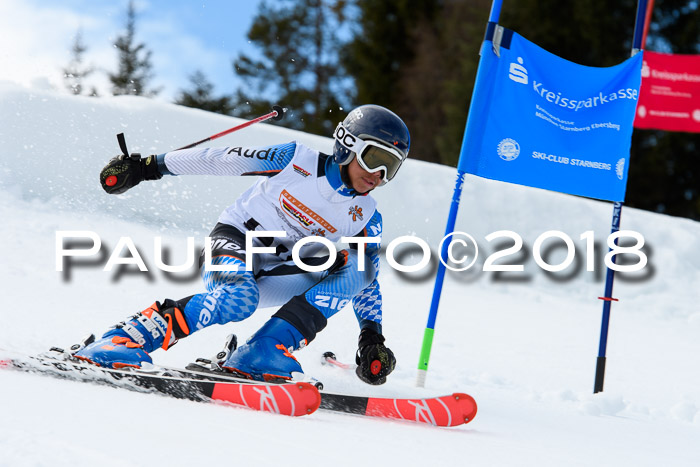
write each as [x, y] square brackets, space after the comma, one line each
[183, 35]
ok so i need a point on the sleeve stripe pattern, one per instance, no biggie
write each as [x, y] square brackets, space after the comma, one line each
[268, 173]
[236, 160]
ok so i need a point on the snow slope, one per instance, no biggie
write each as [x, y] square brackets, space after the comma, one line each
[523, 344]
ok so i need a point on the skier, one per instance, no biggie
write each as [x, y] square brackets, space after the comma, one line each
[302, 193]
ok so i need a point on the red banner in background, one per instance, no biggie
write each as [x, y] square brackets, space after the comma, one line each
[669, 98]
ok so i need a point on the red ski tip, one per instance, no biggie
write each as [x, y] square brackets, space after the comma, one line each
[452, 410]
[467, 404]
[294, 399]
[311, 395]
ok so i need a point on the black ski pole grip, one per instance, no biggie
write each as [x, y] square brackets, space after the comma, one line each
[280, 113]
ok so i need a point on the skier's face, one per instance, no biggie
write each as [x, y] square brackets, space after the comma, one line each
[361, 180]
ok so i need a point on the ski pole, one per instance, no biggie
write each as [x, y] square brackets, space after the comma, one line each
[329, 359]
[276, 114]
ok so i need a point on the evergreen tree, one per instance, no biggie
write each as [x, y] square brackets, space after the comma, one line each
[76, 72]
[588, 32]
[299, 66]
[398, 59]
[134, 66]
[383, 44]
[420, 59]
[200, 97]
[436, 84]
[664, 173]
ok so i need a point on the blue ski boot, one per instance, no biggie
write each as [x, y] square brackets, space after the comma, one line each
[113, 352]
[128, 344]
[267, 354]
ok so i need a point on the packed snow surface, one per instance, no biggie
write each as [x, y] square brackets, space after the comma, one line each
[523, 344]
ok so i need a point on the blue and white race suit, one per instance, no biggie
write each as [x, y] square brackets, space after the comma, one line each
[301, 193]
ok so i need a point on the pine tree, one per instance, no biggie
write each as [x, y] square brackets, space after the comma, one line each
[664, 173]
[395, 58]
[134, 66]
[200, 97]
[420, 59]
[384, 43]
[75, 73]
[435, 86]
[299, 67]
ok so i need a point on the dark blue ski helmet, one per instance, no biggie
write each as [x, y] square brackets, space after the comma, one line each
[376, 136]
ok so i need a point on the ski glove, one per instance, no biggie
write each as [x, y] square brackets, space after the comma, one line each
[125, 172]
[374, 360]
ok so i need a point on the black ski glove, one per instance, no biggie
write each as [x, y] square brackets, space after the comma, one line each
[374, 360]
[125, 172]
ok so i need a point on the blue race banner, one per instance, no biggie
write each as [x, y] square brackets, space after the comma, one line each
[542, 121]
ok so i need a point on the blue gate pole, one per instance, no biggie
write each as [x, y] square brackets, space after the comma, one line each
[607, 302]
[449, 228]
[617, 213]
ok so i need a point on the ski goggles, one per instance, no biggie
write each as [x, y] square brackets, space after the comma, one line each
[371, 155]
